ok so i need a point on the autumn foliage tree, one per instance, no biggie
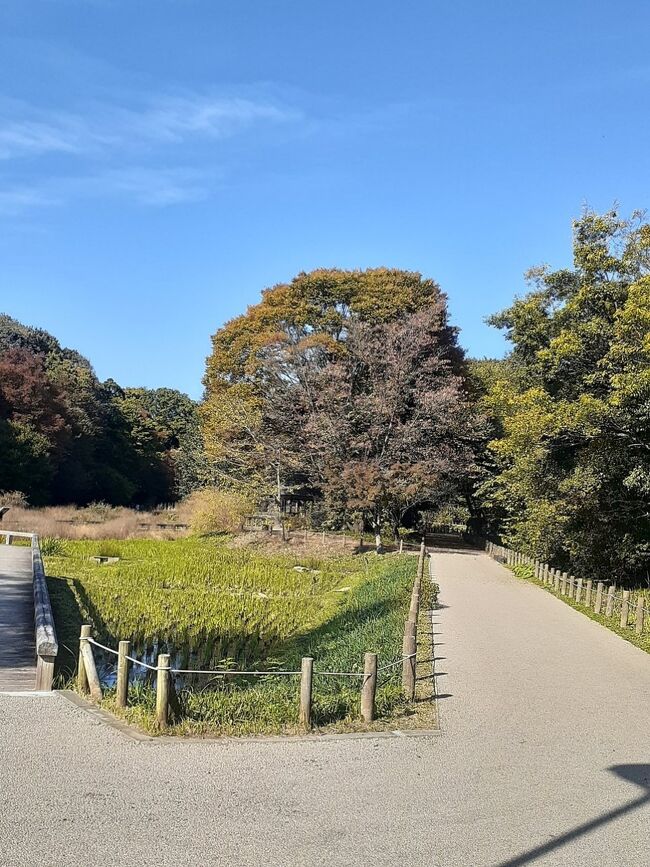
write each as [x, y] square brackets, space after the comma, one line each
[349, 381]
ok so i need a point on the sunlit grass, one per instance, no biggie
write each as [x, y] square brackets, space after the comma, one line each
[213, 606]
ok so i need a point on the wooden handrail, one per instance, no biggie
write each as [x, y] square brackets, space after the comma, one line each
[47, 646]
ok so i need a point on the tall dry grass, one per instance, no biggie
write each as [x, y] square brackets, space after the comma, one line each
[97, 521]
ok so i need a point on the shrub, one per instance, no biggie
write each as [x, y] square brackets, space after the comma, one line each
[109, 549]
[51, 547]
[13, 498]
[216, 511]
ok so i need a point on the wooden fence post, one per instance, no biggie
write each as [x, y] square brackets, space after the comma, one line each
[590, 584]
[611, 593]
[401, 545]
[545, 577]
[162, 690]
[369, 687]
[625, 609]
[639, 615]
[599, 597]
[82, 680]
[122, 686]
[89, 667]
[414, 610]
[421, 559]
[306, 678]
[556, 580]
[564, 583]
[578, 595]
[409, 648]
[572, 586]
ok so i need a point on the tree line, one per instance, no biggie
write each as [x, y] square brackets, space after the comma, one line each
[350, 388]
[66, 437]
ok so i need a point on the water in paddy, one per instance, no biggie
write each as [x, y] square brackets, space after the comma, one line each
[211, 655]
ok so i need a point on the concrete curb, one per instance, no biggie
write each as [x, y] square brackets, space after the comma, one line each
[103, 716]
[136, 734]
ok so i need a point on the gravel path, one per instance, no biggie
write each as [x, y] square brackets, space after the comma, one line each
[543, 759]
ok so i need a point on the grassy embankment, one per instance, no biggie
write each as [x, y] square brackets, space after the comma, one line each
[212, 606]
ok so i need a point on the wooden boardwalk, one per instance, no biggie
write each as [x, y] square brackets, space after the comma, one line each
[17, 649]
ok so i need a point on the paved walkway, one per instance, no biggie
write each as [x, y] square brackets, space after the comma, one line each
[544, 759]
[17, 652]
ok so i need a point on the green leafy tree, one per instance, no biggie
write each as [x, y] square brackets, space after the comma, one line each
[571, 415]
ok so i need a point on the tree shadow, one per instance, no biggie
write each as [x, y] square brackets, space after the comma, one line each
[68, 620]
[637, 774]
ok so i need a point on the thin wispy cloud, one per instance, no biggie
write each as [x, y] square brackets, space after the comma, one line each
[144, 186]
[17, 200]
[49, 158]
[166, 120]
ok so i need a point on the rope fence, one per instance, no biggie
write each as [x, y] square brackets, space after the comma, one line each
[629, 608]
[88, 680]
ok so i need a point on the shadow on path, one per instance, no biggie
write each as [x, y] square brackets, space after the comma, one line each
[637, 774]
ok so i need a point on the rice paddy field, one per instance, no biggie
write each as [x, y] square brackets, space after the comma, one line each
[211, 606]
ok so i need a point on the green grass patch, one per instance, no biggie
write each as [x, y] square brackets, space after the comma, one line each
[212, 606]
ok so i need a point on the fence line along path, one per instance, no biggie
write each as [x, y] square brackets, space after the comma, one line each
[17, 646]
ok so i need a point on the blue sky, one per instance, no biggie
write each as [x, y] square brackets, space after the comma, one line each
[162, 161]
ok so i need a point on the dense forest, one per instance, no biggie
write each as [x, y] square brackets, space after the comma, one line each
[66, 437]
[350, 388]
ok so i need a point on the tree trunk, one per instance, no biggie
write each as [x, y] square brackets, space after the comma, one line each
[377, 528]
[279, 497]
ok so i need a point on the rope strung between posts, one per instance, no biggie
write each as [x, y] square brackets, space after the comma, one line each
[234, 671]
[397, 662]
[339, 673]
[116, 653]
